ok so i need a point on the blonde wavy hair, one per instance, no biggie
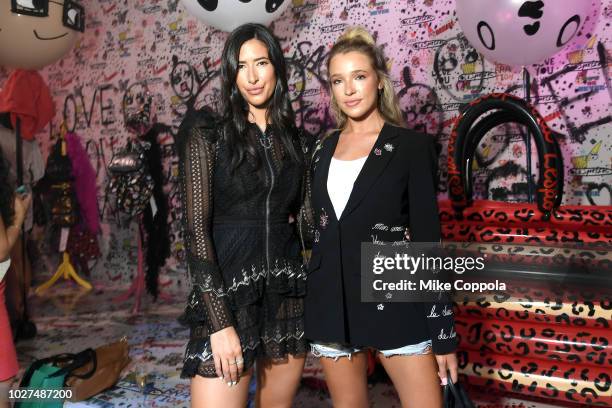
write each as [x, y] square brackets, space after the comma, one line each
[358, 39]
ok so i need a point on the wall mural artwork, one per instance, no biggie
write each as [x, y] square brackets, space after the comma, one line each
[131, 47]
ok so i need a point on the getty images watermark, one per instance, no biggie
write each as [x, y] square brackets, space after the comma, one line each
[423, 272]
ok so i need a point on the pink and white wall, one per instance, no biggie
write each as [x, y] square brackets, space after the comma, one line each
[130, 46]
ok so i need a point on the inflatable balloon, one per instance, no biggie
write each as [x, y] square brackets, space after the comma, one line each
[517, 32]
[226, 15]
[460, 142]
[34, 34]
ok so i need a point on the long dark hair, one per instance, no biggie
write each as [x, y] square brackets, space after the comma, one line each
[6, 193]
[235, 108]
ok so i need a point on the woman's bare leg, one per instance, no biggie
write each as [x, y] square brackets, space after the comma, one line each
[4, 388]
[214, 392]
[347, 380]
[277, 383]
[416, 380]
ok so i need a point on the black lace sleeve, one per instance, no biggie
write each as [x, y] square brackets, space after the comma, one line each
[196, 148]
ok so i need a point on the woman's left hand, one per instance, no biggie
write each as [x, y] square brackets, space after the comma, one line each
[21, 204]
[447, 362]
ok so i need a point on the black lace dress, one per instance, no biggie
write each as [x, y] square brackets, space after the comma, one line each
[244, 257]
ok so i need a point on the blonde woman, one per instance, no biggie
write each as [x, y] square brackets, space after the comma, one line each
[369, 172]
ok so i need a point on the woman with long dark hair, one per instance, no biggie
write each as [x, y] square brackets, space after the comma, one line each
[13, 209]
[241, 181]
[373, 181]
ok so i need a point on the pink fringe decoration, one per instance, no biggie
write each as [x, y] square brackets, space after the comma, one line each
[84, 182]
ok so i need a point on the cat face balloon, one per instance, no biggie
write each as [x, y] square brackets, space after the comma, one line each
[226, 15]
[36, 33]
[519, 32]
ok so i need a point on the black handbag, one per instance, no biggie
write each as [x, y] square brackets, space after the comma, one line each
[455, 395]
[58, 168]
[131, 184]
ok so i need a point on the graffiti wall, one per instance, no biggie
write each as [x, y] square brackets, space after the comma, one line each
[133, 46]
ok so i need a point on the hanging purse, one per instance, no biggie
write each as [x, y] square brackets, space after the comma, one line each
[58, 168]
[126, 161]
[83, 244]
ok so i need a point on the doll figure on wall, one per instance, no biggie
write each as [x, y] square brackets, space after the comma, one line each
[138, 110]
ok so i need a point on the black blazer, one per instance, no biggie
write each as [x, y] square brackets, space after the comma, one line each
[395, 188]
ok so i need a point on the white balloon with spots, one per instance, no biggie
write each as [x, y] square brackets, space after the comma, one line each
[226, 15]
[517, 32]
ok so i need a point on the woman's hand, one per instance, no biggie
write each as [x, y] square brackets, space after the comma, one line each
[227, 352]
[447, 362]
[5, 248]
[21, 204]
[10, 233]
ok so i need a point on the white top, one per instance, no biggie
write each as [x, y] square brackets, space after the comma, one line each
[4, 266]
[340, 180]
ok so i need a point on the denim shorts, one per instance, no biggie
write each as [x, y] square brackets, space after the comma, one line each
[335, 351]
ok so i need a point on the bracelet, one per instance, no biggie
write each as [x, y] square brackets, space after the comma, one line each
[15, 225]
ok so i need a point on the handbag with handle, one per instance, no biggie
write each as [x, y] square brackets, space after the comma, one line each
[50, 374]
[455, 396]
[128, 160]
[87, 373]
[58, 168]
[99, 373]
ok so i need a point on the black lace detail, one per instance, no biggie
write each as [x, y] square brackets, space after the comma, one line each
[243, 255]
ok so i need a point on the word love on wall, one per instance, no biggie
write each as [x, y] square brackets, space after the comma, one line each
[79, 109]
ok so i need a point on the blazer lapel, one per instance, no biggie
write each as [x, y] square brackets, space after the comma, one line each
[375, 164]
[321, 171]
